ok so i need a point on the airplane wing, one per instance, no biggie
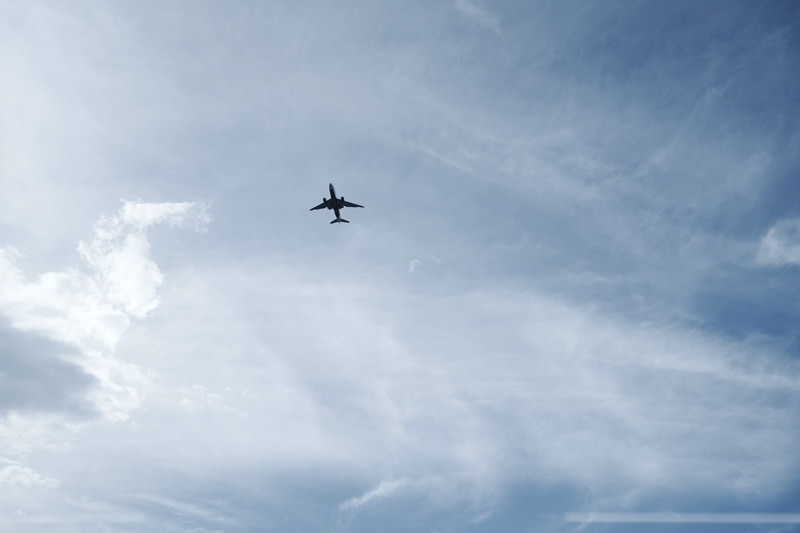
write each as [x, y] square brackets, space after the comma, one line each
[323, 205]
[350, 204]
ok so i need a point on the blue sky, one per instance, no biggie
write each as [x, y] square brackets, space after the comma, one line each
[573, 289]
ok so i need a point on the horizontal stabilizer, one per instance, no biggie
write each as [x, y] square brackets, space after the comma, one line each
[339, 220]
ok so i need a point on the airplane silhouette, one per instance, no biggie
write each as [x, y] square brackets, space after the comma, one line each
[335, 204]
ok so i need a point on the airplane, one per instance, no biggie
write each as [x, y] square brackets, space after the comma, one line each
[335, 204]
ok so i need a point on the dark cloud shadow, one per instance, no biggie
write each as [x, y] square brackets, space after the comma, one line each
[34, 376]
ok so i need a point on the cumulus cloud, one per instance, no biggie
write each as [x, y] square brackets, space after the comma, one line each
[781, 245]
[92, 309]
[119, 254]
[65, 306]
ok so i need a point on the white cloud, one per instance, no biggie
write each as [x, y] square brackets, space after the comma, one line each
[781, 245]
[17, 475]
[456, 399]
[185, 509]
[385, 489]
[454, 393]
[67, 306]
[683, 518]
[478, 14]
[120, 253]
[92, 310]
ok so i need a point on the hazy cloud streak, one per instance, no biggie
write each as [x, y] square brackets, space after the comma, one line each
[781, 245]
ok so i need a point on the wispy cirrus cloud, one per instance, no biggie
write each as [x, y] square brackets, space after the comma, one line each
[683, 518]
[601, 148]
[456, 399]
[385, 489]
[479, 14]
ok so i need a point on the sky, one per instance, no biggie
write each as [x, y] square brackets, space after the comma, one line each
[571, 302]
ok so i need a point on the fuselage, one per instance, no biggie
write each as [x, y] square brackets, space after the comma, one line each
[334, 202]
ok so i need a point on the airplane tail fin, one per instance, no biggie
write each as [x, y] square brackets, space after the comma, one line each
[339, 220]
